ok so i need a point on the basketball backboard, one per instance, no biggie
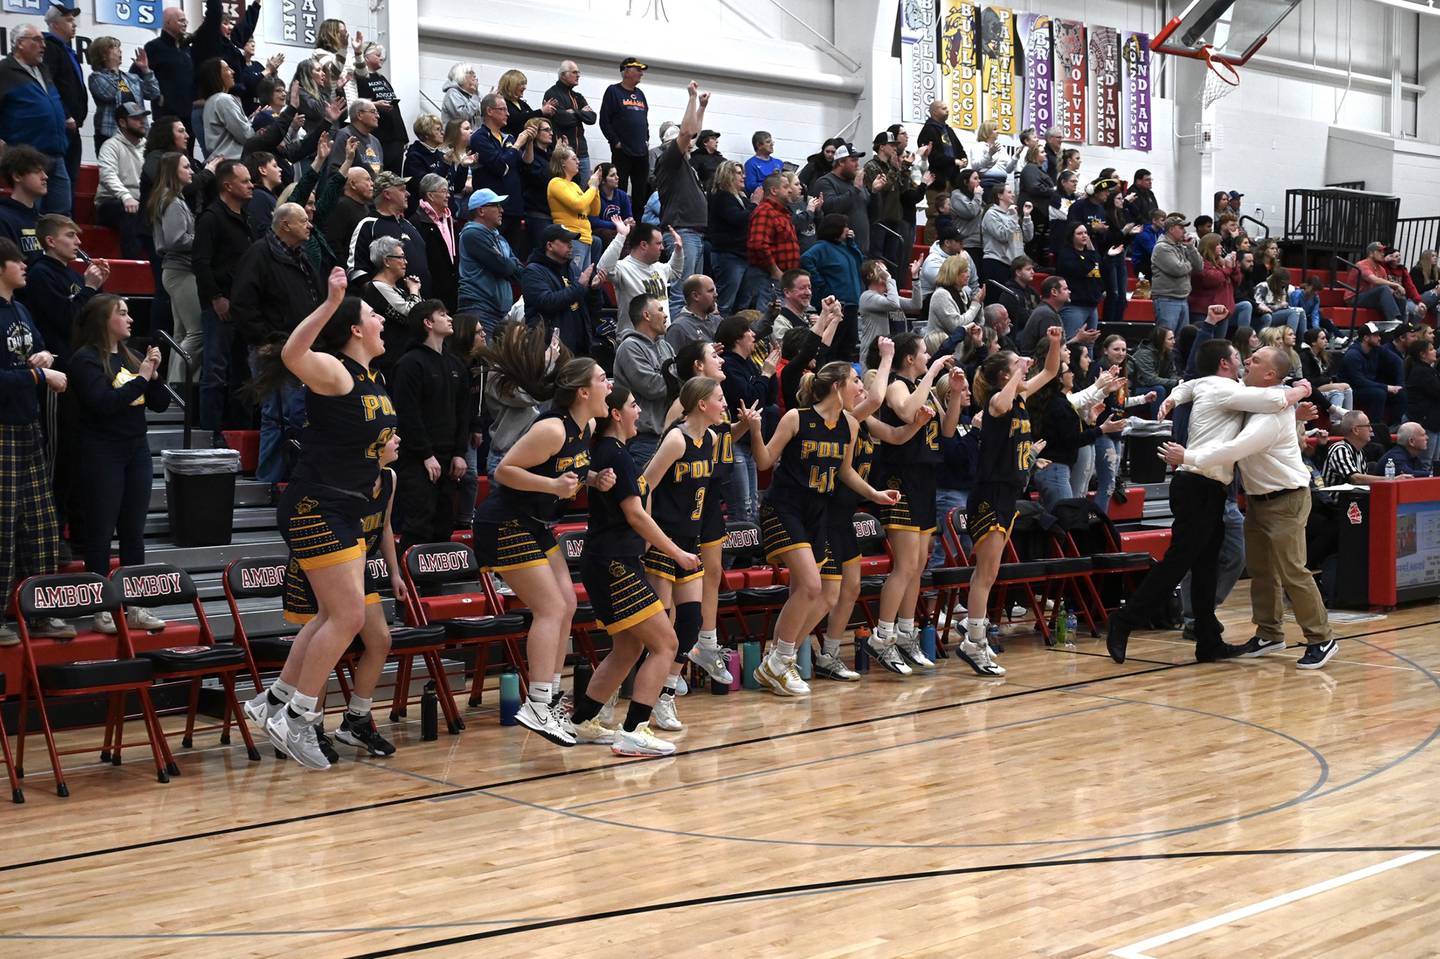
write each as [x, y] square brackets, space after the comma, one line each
[1232, 30]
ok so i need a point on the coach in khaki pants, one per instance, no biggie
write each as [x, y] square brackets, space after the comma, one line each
[1277, 498]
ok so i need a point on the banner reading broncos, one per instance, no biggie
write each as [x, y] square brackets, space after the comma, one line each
[960, 64]
[1070, 67]
[1039, 113]
[997, 49]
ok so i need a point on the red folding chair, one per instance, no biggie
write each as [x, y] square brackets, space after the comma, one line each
[16, 794]
[571, 540]
[406, 643]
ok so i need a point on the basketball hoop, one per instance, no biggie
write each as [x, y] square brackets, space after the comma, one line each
[1221, 78]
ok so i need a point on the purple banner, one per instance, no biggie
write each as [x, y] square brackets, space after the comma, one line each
[1039, 109]
[1136, 56]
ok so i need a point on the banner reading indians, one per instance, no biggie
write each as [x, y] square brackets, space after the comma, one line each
[960, 65]
[1105, 85]
[919, 59]
[1135, 55]
[1070, 79]
[997, 51]
[1035, 50]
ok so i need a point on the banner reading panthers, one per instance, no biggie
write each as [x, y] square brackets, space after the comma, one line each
[960, 64]
[997, 51]
[919, 59]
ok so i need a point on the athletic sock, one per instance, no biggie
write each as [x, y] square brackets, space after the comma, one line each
[360, 706]
[585, 708]
[671, 684]
[279, 692]
[637, 714]
[781, 651]
[885, 632]
[709, 639]
[831, 646]
[976, 630]
[300, 705]
[555, 681]
[540, 693]
[905, 627]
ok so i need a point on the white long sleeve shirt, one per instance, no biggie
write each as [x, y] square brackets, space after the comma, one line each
[1267, 451]
[630, 278]
[1216, 416]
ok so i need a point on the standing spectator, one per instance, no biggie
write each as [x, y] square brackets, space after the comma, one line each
[436, 225]
[26, 171]
[819, 164]
[1422, 392]
[499, 160]
[536, 177]
[222, 235]
[511, 86]
[572, 205]
[54, 293]
[1140, 202]
[462, 96]
[1361, 368]
[265, 174]
[350, 209]
[845, 197]
[640, 359]
[64, 67]
[29, 528]
[1142, 248]
[884, 168]
[425, 155]
[706, 158]
[698, 322]
[1054, 295]
[31, 112]
[1038, 189]
[169, 56]
[224, 123]
[1214, 283]
[834, 267]
[389, 220]
[990, 160]
[967, 211]
[392, 293]
[219, 36]
[556, 293]
[746, 386]
[332, 42]
[1054, 137]
[614, 204]
[952, 308]
[488, 267]
[1173, 262]
[115, 388]
[172, 224]
[1004, 231]
[683, 207]
[1079, 264]
[947, 156]
[641, 271]
[572, 114]
[117, 200]
[729, 217]
[111, 88]
[431, 389]
[625, 124]
[763, 163]
[772, 246]
[369, 152]
[372, 85]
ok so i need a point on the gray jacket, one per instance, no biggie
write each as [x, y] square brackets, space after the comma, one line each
[226, 127]
[966, 212]
[847, 197]
[1003, 234]
[175, 235]
[687, 328]
[459, 105]
[638, 364]
[510, 416]
[1171, 264]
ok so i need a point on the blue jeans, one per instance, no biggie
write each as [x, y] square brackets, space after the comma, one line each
[468, 487]
[1077, 318]
[215, 368]
[1232, 562]
[767, 291]
[1053, 484]
[584, 169]
[747, 485]
[1380, 298]
[60, 197]
[735, 281]
[282, 417]
[945, 501]
[1291, 316]
[1171, 313]
[1083, 471]
[197, 128]
[642, 449]
[492, 463]
[1107, 468]
[1116, 276]
[580, 255]
[694, 258]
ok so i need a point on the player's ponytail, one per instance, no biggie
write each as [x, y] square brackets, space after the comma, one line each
[816, 387]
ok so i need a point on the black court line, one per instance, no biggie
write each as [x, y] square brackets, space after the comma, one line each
[563, 773]
[1128, 658]
[838, 884]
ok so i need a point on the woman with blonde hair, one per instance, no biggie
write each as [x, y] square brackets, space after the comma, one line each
[571, 205]
[1283, 339]
[1214, 283]
[730, 211]
[511, 86]
[951, 305]
[427, 154]
[332, 43]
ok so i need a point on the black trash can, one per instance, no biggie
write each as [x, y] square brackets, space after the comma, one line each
[200, 495]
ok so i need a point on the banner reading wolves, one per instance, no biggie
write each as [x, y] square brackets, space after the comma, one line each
[1105, 85]
[997, 50]
[960, 63]
[1070, 68]
[919, 59]
[1135, 53]
[1035, 49]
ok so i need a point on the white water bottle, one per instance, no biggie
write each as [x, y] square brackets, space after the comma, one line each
[1390, 469]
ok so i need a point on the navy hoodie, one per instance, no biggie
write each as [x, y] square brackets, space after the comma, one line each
[17, 222]
[19, 384]
[55, 295]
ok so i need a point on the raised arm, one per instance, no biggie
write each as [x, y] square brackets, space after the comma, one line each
[768, 454]
[321, 372]
[1056, 336]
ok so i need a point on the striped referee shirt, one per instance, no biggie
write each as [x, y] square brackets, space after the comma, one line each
[1342, 462]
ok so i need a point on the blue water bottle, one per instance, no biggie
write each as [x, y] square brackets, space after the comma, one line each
[509, 698]
[804, 659]
[927, 642]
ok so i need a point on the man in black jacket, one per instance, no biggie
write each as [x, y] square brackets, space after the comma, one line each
[947, 156]
[169, 56]
[431, 389]
[222, 236]
[554, 294]
[572, 114]
[64, 67]
[391, 199]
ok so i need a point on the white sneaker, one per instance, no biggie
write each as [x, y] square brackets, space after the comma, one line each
[540, 718]
[885, 653]
[712, 660]
[259, 709]
[833, 667]
[1017, 611]
[640, 742]
[295, 737]
[682, 688]
[782, 678]
[105, 623]
[139, 618]
[909, 647]
[663, 716]
[592, 731]
[606, 716]
[978, 657]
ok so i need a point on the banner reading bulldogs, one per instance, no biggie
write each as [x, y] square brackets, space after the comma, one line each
[1035, 49]
[1135, 55]
[1070, 80]
[919, 59]
[960, 63]
[997, 49]
[1105, 85]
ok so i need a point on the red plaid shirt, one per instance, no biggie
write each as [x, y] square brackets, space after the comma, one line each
[773, 244]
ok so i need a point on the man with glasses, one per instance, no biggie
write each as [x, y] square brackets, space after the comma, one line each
[369, 153]
[32, 113]
[391, 198]
[572, 114]
[499, 160]
[1345, 463]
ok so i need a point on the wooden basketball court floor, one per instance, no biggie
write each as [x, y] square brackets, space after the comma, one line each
[1159, 809]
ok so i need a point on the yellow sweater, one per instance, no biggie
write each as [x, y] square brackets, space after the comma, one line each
[572, 207]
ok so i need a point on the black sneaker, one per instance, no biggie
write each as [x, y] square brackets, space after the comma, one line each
[1318, 654]
[326, 746]
[1259, 646]
[360, 731]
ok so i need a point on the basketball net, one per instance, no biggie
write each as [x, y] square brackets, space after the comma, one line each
[1221, 78]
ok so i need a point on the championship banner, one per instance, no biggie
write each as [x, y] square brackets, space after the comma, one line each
[1135, 54]
[291, 23]
[1070, 80]
[961, 64]
[997, 49]
[1035, 50]
[1105, 85]
[919, 59]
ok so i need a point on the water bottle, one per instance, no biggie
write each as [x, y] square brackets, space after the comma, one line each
[429, 714]
[1390, 469]
[804, 659]
[749, 659]
[583, 672]
[1062, 623]
[509, 698]
[927, 643]
[1070, 627]
[732, 663]
[862, 652]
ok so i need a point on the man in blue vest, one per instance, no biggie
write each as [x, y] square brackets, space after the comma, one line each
[31, 111]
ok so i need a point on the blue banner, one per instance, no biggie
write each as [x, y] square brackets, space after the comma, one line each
[34, 8]
[145, 14]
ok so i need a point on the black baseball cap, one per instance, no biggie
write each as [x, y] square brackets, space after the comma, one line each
[629, 62]
[557, 232]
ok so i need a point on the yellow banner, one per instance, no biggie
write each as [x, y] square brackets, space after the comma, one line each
[997, 49]
[960, 62]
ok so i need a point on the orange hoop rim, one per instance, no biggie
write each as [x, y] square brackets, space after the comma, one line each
[1233, 78]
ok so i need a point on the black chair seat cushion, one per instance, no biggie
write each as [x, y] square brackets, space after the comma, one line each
[1122, 560]
[271, 649]
[414, 637]
[1069, 565]
[584, 613]
[952, 575]
[186, 658]
[1033, 569]
[927, 578]
[871, 585]
[94, 673]
[762, 595]
[479, 627]
[726, 598]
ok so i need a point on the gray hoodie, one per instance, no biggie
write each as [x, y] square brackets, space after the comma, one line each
[459, 105]
[638, 364]
[1171, 264]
